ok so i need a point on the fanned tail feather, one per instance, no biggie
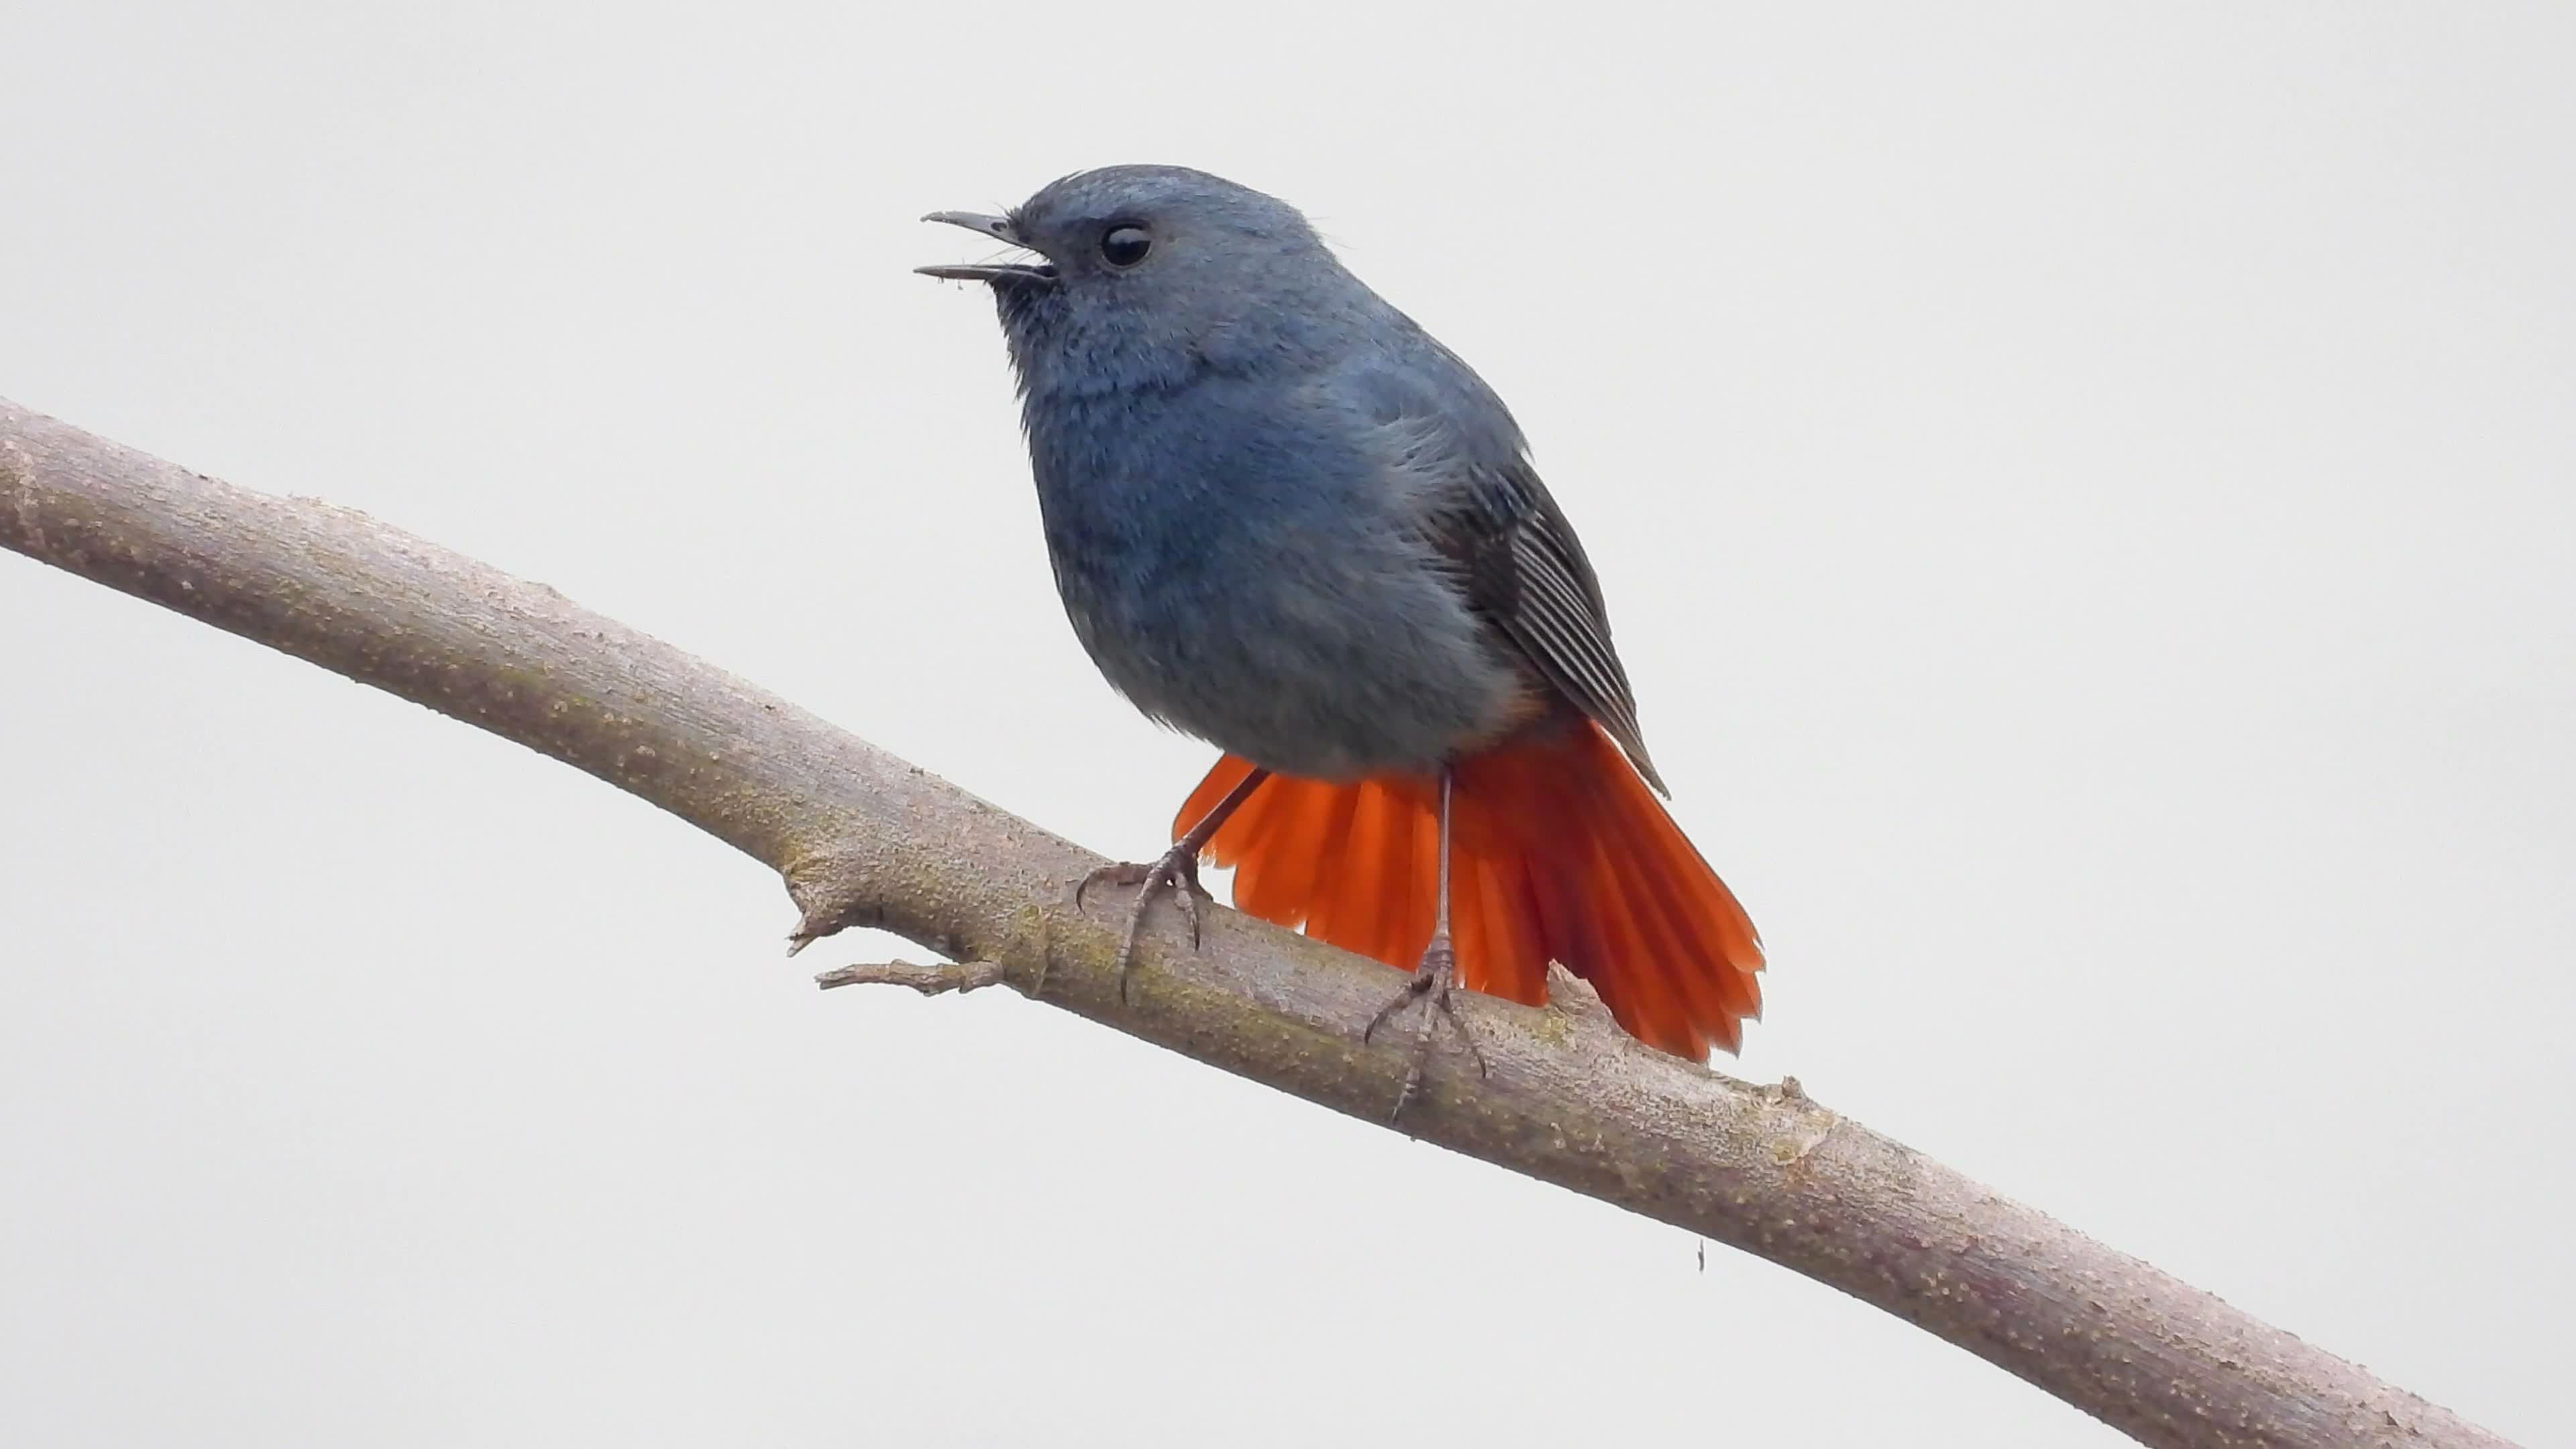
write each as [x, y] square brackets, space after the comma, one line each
[1559, 852]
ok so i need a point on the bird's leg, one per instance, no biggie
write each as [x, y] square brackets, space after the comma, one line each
[1436, 977]
[1177, 869]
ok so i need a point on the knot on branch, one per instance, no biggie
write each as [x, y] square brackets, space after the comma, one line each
[834, 891]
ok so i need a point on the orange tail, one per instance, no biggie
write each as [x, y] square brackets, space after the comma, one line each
[1558, 852]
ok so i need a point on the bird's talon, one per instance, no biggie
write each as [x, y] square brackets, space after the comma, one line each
[1435, 978]
[1178, 869]
[1124, 873]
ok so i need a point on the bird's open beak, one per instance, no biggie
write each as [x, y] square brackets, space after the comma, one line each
[998, 228]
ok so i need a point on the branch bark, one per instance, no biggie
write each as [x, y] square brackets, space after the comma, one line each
[863, 839]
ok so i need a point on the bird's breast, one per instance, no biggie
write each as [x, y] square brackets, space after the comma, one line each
[1239, 566]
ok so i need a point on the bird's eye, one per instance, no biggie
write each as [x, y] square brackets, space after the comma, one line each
[1125, 246]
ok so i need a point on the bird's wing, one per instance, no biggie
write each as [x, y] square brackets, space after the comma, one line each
[1453, 446]
[1524, 570]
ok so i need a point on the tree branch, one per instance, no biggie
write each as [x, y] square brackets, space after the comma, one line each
[932, 980]
[863, 839]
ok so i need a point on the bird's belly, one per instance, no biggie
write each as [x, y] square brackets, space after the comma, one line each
[1307, 667]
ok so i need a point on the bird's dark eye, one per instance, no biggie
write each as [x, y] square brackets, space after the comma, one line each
[1125, 246]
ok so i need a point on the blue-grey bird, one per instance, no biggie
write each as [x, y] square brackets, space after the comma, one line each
[1285, 520]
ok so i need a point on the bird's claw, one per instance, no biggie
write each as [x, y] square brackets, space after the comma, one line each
[1176, 870]
[1437, 979]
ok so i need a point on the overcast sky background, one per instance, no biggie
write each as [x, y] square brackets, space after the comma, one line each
[2088, 497]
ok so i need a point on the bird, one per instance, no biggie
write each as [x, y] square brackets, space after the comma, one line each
[1286, 520]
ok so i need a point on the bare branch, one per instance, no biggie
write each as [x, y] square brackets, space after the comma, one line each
[862, 838]
[930, 980]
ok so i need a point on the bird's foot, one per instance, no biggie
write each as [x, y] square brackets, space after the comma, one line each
[1437, 979]
[1178, 869]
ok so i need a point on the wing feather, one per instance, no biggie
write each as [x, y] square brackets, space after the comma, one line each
[1526, 571]
[1454, 448]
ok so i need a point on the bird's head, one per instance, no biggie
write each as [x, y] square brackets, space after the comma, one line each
[1147, 275]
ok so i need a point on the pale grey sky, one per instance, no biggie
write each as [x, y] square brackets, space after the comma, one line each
[2088, 498]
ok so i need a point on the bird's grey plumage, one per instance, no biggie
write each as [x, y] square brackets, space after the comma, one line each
[1282, 517]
